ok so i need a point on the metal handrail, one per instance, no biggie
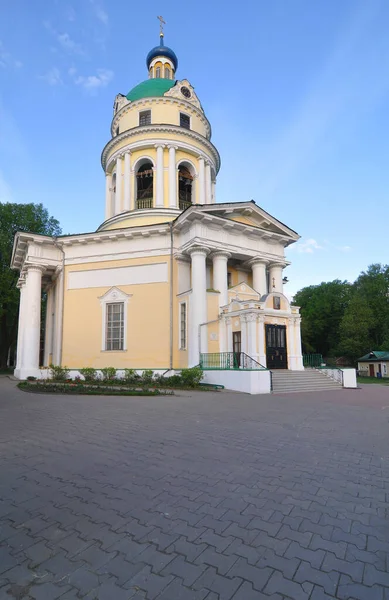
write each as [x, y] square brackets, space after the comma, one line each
[327, 373]
[229, 360]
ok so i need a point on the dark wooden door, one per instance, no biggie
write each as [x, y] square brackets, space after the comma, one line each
[237, 347]
[276, 353]
[371, 370]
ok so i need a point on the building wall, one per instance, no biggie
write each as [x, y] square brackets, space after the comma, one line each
[148, 324]
[364, 366]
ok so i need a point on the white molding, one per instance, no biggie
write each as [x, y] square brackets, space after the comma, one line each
[110, 276]
[166, 99]
[175, 129]
[186, 325]
[114, 295]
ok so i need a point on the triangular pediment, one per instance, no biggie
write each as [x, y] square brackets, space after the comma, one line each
[248, 213]
[114, 295]
[242, 291]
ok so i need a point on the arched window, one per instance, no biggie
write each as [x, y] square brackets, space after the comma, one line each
[167, 73]
[158, 72]
[185, 187]
[144, 186]
[113, 194]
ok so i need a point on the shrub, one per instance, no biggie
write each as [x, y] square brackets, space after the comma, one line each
[147, 376]
[192, 377]
[31, 378]
[89, 373]
[59, 373]
[131, 376]
[77, 379]
[109, 374]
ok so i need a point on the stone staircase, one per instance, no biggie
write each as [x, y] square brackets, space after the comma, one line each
[309, 380]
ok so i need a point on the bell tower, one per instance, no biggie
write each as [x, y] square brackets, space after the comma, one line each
[160, 159]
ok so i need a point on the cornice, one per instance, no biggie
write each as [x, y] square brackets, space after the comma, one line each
[132, 214]
[175, 129]
[188, 106]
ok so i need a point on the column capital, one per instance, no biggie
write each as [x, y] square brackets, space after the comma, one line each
[257, 260]
[172, 147]
[182, 258]
[200, 157]
[35, 268]
[198, 250]
[243, 318]
[221, 254]
[260, 318]
[21, 283]
[278, 264]
[251, 317]
[129, 152]
[160, 146]
[228, 320]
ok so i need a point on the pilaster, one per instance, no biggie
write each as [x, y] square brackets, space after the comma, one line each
[159, 200]
[127, 181]
[173, 196]
[198, 336]
[118, 196]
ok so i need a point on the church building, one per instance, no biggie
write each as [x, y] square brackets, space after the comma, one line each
[172, 278]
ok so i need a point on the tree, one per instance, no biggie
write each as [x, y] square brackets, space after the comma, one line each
[33, 218]
[322, 309]
[355, 328]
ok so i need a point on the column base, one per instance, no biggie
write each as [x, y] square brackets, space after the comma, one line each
[295, 363]
[24, 372]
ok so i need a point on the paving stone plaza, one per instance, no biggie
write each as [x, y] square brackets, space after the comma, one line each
[200, 496]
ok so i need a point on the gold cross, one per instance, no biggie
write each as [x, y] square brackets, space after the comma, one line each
[161, 24]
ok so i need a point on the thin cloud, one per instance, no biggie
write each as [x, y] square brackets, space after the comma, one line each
[52, 77]
[92, 83]
[344, 248]
[64, 40]
[308, 246]
[7, 60]
[5, 190]
[99, 12]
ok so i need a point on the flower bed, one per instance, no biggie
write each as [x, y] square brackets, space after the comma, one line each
[84, 388]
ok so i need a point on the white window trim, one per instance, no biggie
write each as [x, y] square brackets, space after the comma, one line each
[186, 326]
[189, 117]
[114, 295]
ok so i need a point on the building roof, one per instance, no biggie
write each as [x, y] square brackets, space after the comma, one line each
[151, 88]
[374, 356]
[162, 50]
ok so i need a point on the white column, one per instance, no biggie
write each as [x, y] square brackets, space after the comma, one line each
[259, 275]
[108, 196]
[118, 197]
[127, 181]
[222, 335]
[220, 260]
[261, 342]
[213, 192]
[275, 277]
[198, 305]
[290, 344]
[58, 318]
[159, 177]
[298, 349]
[208, 184]
[21, 322]
[229, 334]
[252, 335]
[243, 330]
[32, 324]
[48, 326]
[172, 178]
[201, 181]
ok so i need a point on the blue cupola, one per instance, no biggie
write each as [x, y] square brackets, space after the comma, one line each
[162, 50]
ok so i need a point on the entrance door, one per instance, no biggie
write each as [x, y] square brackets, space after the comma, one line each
[236, 347]
[371, 370]
[276, 353]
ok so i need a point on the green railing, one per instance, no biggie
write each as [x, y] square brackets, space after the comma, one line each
[228, 360]
[312, 360]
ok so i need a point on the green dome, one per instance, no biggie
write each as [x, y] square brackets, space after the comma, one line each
[150, 88]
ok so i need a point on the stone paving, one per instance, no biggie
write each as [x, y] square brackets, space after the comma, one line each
[204, 496]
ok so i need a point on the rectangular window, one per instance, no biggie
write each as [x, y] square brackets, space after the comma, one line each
[229, 279]
[145, 117]
[114, 335]
[183, 326]
[158, 72]
[276, 302]
[184, 120]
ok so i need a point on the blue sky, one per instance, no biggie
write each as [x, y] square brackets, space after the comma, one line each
[297, 93]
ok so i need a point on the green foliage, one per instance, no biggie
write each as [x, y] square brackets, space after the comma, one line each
[83, 389]
[89, 373]
[109, 374]
[322, 309]
[147, 377]
[33, 218]
[130, 376]
[192, 377]
[58, 373]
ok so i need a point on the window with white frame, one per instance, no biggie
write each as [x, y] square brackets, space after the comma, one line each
[167, 73]
[184, 120]
[114, 326]
[183, 324]
[158, 72]
[145, 117]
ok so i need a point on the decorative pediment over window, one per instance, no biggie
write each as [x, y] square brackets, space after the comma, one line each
[114, 295]
[184, 91]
